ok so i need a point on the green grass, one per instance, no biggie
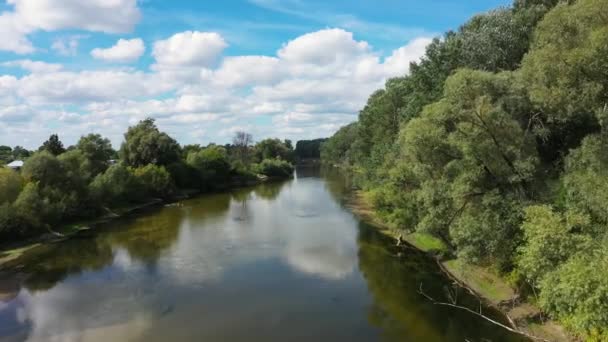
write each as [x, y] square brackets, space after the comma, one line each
[482, 280]
[425, 242]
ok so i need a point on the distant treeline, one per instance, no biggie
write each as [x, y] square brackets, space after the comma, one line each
[58, 185]
[497, 143]
[309, 149]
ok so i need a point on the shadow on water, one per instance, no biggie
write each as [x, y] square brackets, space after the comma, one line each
[394, 276]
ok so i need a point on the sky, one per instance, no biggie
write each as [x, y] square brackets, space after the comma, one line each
[205, 69]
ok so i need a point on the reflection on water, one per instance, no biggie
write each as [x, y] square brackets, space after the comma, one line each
[276, 262]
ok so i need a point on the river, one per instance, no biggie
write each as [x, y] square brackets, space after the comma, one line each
[276, 262]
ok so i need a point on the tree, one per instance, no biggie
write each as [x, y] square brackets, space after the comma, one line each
[11, 184]
[97, 150]
[6, 154]
[44, 168]
[144, 144]
[212, 164]
[116, 186]
[20, 153]
[155, 181]
[273, 148]
[337, 149]
[575, 293]
[309, 149]
[35, 209]
[53, 145]
[550, 238]
[242, 142]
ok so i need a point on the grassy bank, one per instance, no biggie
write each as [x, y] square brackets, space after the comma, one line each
[485, 282]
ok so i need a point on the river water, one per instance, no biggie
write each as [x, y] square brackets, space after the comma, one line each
[277, 262]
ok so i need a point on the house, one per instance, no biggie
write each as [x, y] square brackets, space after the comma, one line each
[15, 165]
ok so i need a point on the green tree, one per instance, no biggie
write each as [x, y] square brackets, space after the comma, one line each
[6, 155]
[273, 148]
[53, 145]
[97, 150]
[144, 144]
[45, 168]
[337, 149]
[575, 293]
[20, 153]
[11, 184]
[550, 238]
[155, 180]
[115, 187]
[212, 164]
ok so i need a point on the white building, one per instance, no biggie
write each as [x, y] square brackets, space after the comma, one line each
[15, 165]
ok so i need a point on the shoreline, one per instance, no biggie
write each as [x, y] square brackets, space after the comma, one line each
[12, 251]
[482, 282]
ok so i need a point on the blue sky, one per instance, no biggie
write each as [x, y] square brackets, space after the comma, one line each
[205, 69]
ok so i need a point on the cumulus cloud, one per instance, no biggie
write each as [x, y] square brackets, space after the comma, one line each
[110, 16]
[123, 51]
[188, 49]
[86, 86]
[28, 16]
[33, 66]
[323, 47]
[310, 87]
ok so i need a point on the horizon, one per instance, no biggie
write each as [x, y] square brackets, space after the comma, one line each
[203, 71]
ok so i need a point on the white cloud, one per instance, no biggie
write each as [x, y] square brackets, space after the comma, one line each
[13, 33]
[246, 70]
[33, 66]
[189, 49]
[86, 86]
[322, 47]
[67, 46]
[313, 85]
[123, 51]
[110, 16]
[28, 16]
[399, 61]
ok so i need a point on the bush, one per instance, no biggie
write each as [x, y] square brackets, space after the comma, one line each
[184, 176]
[154, 181]
[115, 186]
[576, 293]
[11, 184]
[13, 225]
[274, 168]
[212, 164]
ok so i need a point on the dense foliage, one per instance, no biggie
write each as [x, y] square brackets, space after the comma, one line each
[309, 149]
[496, 143]
[58, 185]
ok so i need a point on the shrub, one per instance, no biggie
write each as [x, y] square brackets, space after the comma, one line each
[154, 180]
[11, 184]
[115, 186]
[274, 168]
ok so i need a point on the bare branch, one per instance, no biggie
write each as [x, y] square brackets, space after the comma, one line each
[479, 314]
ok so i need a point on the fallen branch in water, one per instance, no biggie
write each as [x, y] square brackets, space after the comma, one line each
[480, 314]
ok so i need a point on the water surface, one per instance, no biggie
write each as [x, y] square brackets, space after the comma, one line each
[276, 262]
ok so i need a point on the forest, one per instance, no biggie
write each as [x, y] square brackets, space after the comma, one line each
[58, 185]
[496, 142]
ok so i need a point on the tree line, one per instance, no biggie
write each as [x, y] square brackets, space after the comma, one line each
[496, 142]
[58, 185]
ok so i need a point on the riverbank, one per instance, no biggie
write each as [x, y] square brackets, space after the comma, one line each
[484, 282]
[13, 250]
